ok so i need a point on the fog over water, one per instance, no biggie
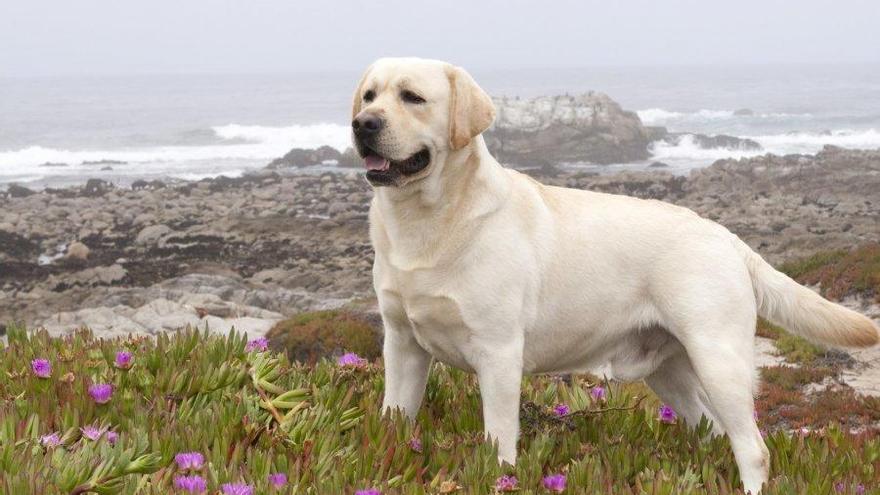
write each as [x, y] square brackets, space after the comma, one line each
[194, 89]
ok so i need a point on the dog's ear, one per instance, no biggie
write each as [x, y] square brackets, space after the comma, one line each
[471, 110]
[358, 97]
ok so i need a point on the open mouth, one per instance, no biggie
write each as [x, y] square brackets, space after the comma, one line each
[383, 172]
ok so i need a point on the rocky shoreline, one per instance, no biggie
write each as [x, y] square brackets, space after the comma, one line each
[246, 252]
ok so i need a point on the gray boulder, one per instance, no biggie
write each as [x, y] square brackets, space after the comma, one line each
[299, 157]
[590, 127]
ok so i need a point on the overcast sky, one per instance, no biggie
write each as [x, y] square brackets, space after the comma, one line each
[40, 37]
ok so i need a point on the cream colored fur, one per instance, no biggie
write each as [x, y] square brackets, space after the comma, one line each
[485, 269]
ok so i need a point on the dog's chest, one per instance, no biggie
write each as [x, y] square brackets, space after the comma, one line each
[436, 321]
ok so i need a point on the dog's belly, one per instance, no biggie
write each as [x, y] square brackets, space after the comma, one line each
[627, 356]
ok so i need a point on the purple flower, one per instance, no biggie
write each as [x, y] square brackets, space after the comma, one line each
[112, 437]
[351, 359]
[189, 460]
[860, 489]
[237, 489]
[598, 393]
[42, 368]
[278, 480]
[191, 484]
[506, 484]
[91, 432]
[555, 483]
[667, 414]
[561, 410]
[416, 445]
[123, 360]
[101, 392]
[368, 491]
[50, 440]
[261, 344]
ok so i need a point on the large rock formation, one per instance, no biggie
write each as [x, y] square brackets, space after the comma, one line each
[590, 127]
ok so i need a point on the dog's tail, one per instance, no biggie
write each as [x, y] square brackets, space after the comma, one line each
[798, 309]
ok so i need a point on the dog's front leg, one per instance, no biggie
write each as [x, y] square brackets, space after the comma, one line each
[406, 370]
[499, 373]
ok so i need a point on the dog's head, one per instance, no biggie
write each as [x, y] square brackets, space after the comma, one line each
[409, 113]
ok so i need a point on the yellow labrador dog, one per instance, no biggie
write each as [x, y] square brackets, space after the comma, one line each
[487, 270]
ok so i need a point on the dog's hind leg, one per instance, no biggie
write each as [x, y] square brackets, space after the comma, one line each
[677, 384]
[723, 362]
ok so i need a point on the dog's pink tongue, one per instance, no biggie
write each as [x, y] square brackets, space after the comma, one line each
[374, 162]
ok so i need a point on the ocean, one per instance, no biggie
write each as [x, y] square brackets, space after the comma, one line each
[57, 131]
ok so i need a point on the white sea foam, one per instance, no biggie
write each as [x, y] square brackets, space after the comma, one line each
[686, 153]
[246, 143]
[808, 143]
[660, 116]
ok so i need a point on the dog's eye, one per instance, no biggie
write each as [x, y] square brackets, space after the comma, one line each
[369, 96]
[410, 97]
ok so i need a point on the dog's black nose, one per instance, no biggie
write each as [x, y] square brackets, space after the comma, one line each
[367, 125]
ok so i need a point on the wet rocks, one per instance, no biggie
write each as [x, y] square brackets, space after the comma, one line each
[16, 191]
[716, 141]
[291, 243]
[299, 157]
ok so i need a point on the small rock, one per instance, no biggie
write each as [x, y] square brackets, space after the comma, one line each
[152, 234]
[95, 188]
[78, 251]
[16, 191]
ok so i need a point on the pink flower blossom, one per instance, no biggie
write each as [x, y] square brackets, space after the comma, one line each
[123, 360]
[555, 483]
[261, 344]
[598, 393]
[415, 444]
[94, 434]
[50, 440]
[368, 491]
[191, 484]
[667, 414]
[350, 359]
[91, 432]
[187, 461]
[506, 484]
[278, 480]
[237, 489]
[561, 410]
[101, 392]
[42, 368]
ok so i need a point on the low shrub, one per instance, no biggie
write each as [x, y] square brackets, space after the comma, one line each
[308, 337]
[840, 273]
[190, 410]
